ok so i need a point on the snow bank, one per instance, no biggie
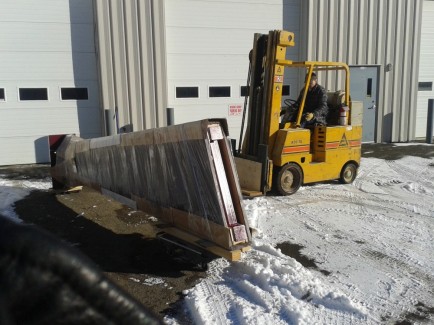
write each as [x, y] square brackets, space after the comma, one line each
[267, 287]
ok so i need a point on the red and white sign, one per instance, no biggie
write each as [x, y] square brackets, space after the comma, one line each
[235, 109]
[278, 79]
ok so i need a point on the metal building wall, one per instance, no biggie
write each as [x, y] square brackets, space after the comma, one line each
[371, 32]
[131, 50]
[49, 45]
[208, 45]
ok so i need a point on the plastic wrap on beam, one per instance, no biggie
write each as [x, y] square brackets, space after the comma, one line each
[183, 174]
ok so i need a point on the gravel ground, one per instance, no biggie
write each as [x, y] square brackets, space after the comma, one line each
[123, 242]
[118, 239]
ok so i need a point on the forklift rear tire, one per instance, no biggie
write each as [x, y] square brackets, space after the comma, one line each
[289, 179]
[348, 173]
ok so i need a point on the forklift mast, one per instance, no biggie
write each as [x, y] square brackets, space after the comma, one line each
[265, 92]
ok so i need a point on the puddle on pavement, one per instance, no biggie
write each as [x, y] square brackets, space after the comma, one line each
[293, 250]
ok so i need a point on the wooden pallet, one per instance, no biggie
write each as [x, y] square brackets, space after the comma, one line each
[231, 255]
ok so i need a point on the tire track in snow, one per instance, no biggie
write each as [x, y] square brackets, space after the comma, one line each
[363, 173]
[401, 291]
[215, 309]
[409, 174]
[208, 303]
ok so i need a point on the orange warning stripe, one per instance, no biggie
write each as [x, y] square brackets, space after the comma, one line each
[332, 145]
[355, 143]
[329, 145]
[296, 149]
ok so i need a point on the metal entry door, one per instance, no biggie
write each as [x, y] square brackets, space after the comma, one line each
[364, 81]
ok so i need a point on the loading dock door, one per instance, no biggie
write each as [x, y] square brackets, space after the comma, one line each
[364, 81]
[48, 76]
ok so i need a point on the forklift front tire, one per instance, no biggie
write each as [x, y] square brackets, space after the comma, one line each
[348, 173]
[289, 179]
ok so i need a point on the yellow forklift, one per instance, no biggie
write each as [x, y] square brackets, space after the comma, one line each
[284, 156]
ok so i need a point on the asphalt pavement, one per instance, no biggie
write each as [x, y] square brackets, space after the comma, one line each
[394, 151]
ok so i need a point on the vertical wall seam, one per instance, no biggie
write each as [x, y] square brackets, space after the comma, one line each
[310, 40]
[112, 57]
[417, 25]
[368, 48]
[153, 67]
[350, 36]
[332, 34]
[138, 62]
[359, 31]
[397, 72]
[404, 82]
[319, 32]
[127, 62]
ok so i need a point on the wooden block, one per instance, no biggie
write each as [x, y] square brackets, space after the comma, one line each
[251, 193]
[74, 189]
[232, 255]
[239, 233]
[215, 132]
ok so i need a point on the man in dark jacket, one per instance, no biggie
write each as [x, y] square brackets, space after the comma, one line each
[315, 106]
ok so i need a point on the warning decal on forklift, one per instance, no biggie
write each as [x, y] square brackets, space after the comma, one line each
[344, 142]
[278, 79]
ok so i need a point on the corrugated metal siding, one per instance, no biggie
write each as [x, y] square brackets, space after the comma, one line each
[426, 71]
[371, 32]
[131, 44]
[45, 44]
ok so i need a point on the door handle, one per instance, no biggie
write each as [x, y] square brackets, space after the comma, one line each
[373, 106]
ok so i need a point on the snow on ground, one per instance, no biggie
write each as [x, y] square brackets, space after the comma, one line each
[15, 190]
[372, 242]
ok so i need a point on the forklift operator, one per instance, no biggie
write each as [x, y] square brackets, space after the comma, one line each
[315, 106]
